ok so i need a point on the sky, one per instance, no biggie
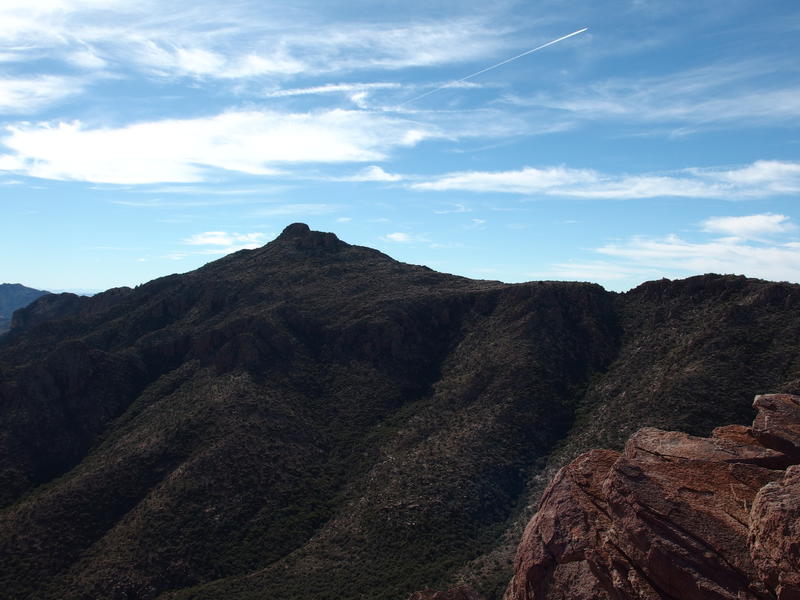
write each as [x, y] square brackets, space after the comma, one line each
[141, 138]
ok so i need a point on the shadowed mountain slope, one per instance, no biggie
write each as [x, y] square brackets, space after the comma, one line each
[12, 297]
[315, 420]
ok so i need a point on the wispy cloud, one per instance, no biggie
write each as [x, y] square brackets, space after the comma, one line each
[331, 88]
[404, 237]
[167, 59]
[296, 210]
[372, 173]
[210, 190]
[695, 98]
[595, 271]
[777, 261]
[464, 79]
[216, 243]
[160, 203]
[524, 181]
[759, 245]
[456, 208]
[171, 38]
[223, 238]
[30, 95]
[398, 236]
[778, 177]
[760, 179]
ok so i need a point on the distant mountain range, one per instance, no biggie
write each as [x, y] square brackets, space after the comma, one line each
[12, 297]
[313, 420]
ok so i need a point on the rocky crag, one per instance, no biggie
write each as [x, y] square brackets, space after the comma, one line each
[314, 420]
[12, 297]
[673, 516]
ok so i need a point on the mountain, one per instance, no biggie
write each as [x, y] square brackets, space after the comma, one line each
[12, 297]
[673, 516]
[315, 420]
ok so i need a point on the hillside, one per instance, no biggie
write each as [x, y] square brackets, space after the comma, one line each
[12, 297]
[315, 420]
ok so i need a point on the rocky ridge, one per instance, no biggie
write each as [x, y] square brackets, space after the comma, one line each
[673, 517]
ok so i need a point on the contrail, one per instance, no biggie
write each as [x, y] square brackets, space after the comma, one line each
[500, 64]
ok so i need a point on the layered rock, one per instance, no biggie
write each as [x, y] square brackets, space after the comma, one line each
[673, 517]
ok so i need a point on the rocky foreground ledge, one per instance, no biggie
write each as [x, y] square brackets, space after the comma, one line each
[673, 517]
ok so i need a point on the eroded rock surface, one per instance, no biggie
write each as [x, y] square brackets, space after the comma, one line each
[673, 516]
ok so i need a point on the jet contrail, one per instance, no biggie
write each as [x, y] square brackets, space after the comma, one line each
[500, 64]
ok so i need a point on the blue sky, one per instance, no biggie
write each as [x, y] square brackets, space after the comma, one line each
[142, 138]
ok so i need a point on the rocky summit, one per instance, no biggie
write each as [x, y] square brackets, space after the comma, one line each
[314, 420]
[673, 516]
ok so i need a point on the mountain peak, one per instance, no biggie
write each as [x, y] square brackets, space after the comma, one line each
[295, 230]
[304, 238]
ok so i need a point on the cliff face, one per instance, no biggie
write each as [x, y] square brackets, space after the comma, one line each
[673, 517]
[314, 420]
[12, 297]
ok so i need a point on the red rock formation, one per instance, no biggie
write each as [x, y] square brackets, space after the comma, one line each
[673, 517]
[775, 535]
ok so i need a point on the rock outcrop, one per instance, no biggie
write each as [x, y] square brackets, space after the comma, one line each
[673, 517]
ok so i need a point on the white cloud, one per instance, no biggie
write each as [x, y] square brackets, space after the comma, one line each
[167, 59]
[331, 88]
[29, 95]
[749, 226]
[372, 173]
[398, 236]
[760, 179]
[457, 208]
[351, 47]
[738, 251]
[218, 243]
[278, 48]
[197, 39]
[645, 186]
[595, 271]
[525, 181]
[402, 237]
[87, 59]
[223, 238]
[775, 176]
[254, 142]
[725, 255]
[31, 27]
[10, 163]
[198, 61]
